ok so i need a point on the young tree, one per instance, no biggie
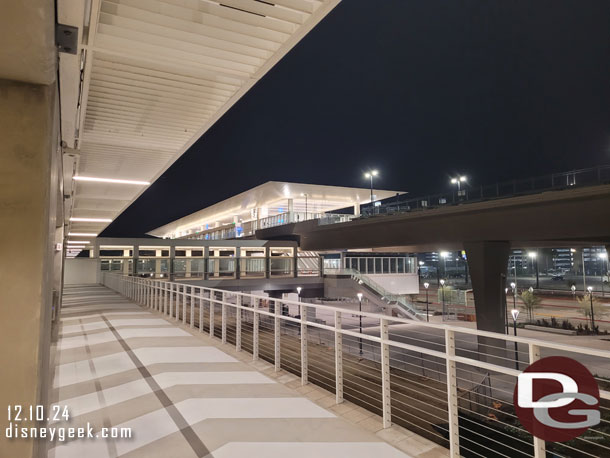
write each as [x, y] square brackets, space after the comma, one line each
[530, 303]
[584, 305]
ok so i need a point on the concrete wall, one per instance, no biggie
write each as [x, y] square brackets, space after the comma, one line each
[397, 283]
[80, 271]
[29, 183]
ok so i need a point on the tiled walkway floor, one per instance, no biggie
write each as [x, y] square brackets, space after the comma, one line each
[183, 395]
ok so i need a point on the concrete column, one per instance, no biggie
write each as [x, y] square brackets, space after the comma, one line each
[126, 262]
[136, 256]
[30, 177]
[187, 263]
[487, 262]
[357, 209]
[172, 257]
[158, 254]
[206, 256]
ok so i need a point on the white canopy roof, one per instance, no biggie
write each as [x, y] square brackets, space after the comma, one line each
[272, 198]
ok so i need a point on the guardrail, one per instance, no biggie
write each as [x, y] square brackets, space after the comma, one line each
[470, 194]
[423, 376]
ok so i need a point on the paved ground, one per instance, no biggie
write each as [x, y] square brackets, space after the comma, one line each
[185, 395]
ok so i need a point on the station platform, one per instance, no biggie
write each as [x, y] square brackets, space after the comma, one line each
[181, 393]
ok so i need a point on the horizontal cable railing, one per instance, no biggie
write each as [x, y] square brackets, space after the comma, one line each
[451, 385]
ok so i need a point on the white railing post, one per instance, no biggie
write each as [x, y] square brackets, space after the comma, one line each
[200, 309]
[192, 323]
[148, 294]
[212, 295]
[276, 335]
[171, 300]
[224, 318]
[184, 293]
[255, 326]
[304, 359]
[452, 397]
[164, 297]
[539, 444]
[179, 290]
[386, 392]
[338, 358]
[239, 301]
[157, 295]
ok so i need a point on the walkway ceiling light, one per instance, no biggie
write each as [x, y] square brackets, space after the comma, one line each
[111, 180]
[91, 220]
[83, 234]
[78, 242]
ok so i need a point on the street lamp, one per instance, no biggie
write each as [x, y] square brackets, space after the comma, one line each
[458, 181]
[299, 293]
[371, 174]
[442, 282]
[360, 317]
[513, 286]
[590, 289]
[506, 309]
[534, 257]
[426, 285]
[515, 313]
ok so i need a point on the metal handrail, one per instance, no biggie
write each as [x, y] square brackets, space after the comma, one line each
[448, 358]
[534, 185]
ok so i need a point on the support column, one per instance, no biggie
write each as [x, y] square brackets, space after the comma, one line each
[488, 263]
[357, 209]
[30, 178]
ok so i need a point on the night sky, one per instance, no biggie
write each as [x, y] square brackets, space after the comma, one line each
[420, 90]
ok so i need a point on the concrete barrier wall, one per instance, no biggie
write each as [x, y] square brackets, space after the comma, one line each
[80, 271]
[397, 283]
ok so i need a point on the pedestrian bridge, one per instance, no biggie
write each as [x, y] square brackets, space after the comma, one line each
[196, 371]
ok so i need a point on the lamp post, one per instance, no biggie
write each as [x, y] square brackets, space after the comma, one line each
[506, 309]
[534, 257]
[370, 175]
[426, 285]
[299, 293]
[513, 286]
[590, 289]
[515, 313]
[360, 317]
[458, 181]
[442, 282]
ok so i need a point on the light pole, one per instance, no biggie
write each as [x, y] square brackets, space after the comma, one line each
[534, 257]
[515, 313]
[360, 317]
[506, 309]
[426, 285]
[590, 289]
[371, 174]
[442, 282]
[304, 194]
[458, 181]
[513, 286]
[299, 293]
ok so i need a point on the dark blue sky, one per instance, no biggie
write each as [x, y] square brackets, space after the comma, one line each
[419, 89]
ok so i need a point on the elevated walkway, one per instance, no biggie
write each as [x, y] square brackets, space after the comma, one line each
[184, 394]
